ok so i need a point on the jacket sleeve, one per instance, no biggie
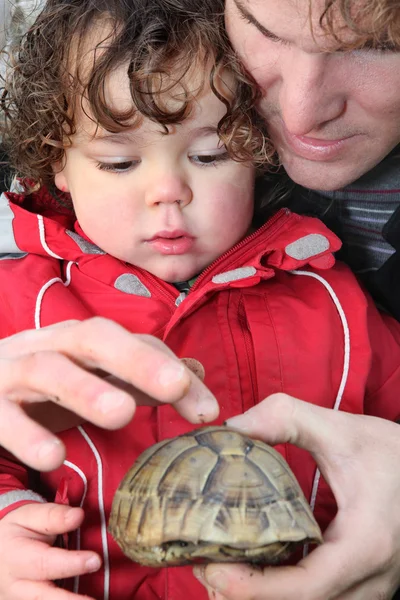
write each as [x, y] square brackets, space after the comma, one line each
[383, 386]
[14, 477]
[14, 481]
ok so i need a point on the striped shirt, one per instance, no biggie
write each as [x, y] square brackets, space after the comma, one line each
[362, 210]
[357, 214]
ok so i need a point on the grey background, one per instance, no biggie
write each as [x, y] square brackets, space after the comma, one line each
[15, 16]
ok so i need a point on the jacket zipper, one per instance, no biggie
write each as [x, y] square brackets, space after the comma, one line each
[274, 224]
[249, 352]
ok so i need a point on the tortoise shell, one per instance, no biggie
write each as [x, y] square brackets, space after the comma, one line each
[211, 495]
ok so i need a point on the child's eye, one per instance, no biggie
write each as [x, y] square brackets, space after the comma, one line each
[118, 167]
[211, 158]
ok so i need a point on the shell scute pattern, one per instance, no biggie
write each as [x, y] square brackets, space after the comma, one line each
[210, 495]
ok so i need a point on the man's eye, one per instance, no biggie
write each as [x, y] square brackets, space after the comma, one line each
[118, 167]
[209, 159]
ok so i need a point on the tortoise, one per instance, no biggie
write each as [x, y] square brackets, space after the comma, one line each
[211, 495]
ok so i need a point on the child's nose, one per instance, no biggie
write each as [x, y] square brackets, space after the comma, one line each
[167, 190]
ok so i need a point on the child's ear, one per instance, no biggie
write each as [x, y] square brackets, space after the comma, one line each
[60, 179]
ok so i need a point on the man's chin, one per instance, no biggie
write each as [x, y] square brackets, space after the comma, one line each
[321, 176]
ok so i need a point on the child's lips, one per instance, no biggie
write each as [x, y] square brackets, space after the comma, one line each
[171, 242]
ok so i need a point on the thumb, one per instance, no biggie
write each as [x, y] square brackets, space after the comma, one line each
[333, 438]
[47, 519]
[281, 418]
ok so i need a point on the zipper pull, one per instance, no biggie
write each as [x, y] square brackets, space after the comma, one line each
[180, 298]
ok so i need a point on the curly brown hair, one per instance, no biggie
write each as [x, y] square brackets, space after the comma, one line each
[375, 23]
[159, 41]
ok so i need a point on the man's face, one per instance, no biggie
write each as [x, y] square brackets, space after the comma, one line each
[332, 115]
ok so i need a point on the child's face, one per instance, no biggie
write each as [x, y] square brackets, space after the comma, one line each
[170, 204]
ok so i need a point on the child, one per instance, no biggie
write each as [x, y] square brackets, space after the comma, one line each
[139, 115]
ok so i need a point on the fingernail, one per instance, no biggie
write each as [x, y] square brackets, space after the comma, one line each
[70, 516]
[93, 564]
[207, 407]
[48, 448]
[171, 373]
[109, 401]
[244, 422]
[217, 580]
[198, 572]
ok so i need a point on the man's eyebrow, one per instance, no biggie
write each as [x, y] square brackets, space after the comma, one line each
[384, 45]
[247, 16]
[367, 45]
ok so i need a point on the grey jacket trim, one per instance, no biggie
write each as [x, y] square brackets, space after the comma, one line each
[8, 245]
[15, 496]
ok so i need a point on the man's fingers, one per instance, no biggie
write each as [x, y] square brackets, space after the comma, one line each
[358, 456]
[374, 588]
[242, 582]
[148, 368]
[197, 406]
[158, 376]
[328, 435]
[68, 365]
[52, 375]
[239, 582]
[34, 445]
[346, 447]
[281, 418]
[99, 343]
[309, 580]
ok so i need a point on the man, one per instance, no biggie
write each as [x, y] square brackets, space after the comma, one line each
[334, 115]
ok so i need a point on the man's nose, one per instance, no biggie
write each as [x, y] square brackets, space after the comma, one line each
[168, 189]
[310, 94]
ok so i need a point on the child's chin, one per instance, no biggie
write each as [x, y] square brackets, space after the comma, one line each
[179, 276]
[174, 274]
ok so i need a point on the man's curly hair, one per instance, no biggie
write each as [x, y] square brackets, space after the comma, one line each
[375, 23]
[159, 42]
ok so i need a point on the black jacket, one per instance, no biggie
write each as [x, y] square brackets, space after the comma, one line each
[383, 284]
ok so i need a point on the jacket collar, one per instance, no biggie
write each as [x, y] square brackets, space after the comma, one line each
[286, 242]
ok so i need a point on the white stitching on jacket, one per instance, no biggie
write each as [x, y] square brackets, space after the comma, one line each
[106, 560]
[44, 289]
[82, 475]
[345, 372]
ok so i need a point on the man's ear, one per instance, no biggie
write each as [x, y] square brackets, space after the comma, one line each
[60, 179]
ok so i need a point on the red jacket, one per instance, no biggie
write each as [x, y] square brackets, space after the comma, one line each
[273, 314]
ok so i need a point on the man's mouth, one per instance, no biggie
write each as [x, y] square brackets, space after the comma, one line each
[314, 148]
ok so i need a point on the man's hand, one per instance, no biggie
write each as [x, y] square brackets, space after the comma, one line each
[29, 564]
[359, 456]
[99, 372]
